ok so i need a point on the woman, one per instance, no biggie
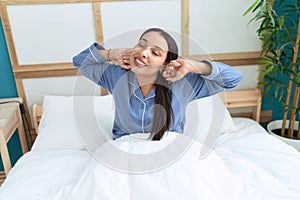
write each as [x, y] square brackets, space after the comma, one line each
[152, 85]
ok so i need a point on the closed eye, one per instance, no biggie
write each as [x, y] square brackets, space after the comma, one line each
[156, 53]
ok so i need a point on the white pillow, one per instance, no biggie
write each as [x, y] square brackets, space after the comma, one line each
[66, 120]
[207, 118]
[79, 122]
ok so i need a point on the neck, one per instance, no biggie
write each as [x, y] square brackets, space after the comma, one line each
[146, 84]
[146, 89]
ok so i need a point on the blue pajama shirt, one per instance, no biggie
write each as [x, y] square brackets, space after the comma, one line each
[134, 113]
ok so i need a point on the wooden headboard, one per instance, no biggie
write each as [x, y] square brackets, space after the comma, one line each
[233, 99]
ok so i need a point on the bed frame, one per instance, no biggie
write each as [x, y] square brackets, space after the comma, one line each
[247, 98]
[233, 99]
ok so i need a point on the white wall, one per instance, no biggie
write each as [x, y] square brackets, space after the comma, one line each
[219, 26]
[55, 33]
[50, 33]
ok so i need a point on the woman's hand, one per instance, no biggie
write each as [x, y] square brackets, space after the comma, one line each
[177, 69]
[121, 55]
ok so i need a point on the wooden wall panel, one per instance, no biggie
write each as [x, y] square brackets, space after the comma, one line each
[39, 70]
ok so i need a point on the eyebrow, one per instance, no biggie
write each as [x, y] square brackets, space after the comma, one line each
[154, 46]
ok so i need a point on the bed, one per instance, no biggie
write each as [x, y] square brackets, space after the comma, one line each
[74, 157]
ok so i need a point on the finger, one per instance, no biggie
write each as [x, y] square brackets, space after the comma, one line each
[170, 68]
[180, 60]
[126, 61]
[174, 63]
[169, 73]
[173, 79]
[125, 66]
[173, 73]
[126, 57]
[170, 80]
[166, 74]
[174, 76]
[171, 64]
[129, 51]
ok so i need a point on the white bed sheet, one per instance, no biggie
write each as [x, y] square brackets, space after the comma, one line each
[246, 164]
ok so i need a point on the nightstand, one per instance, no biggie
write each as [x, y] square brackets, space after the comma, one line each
[10, 120]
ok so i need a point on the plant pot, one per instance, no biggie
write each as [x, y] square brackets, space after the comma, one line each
[277, 124]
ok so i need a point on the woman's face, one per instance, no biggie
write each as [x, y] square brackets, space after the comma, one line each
[149, 55]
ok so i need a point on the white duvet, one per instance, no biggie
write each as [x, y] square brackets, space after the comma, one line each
[248, 164]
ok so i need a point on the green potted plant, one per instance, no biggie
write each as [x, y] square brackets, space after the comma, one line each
[279, 32]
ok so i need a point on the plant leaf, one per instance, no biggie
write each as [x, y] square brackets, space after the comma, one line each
[271, 15]
[265, 61]
[251, 7]
[267, 71]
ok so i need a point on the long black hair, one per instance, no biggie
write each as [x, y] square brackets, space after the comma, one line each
[163, 112]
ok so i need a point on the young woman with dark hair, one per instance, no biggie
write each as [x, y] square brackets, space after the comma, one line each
[151, 85]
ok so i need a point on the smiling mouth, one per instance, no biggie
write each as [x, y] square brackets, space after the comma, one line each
[139, 63]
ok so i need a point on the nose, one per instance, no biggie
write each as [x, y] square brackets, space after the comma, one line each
[144, 52]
